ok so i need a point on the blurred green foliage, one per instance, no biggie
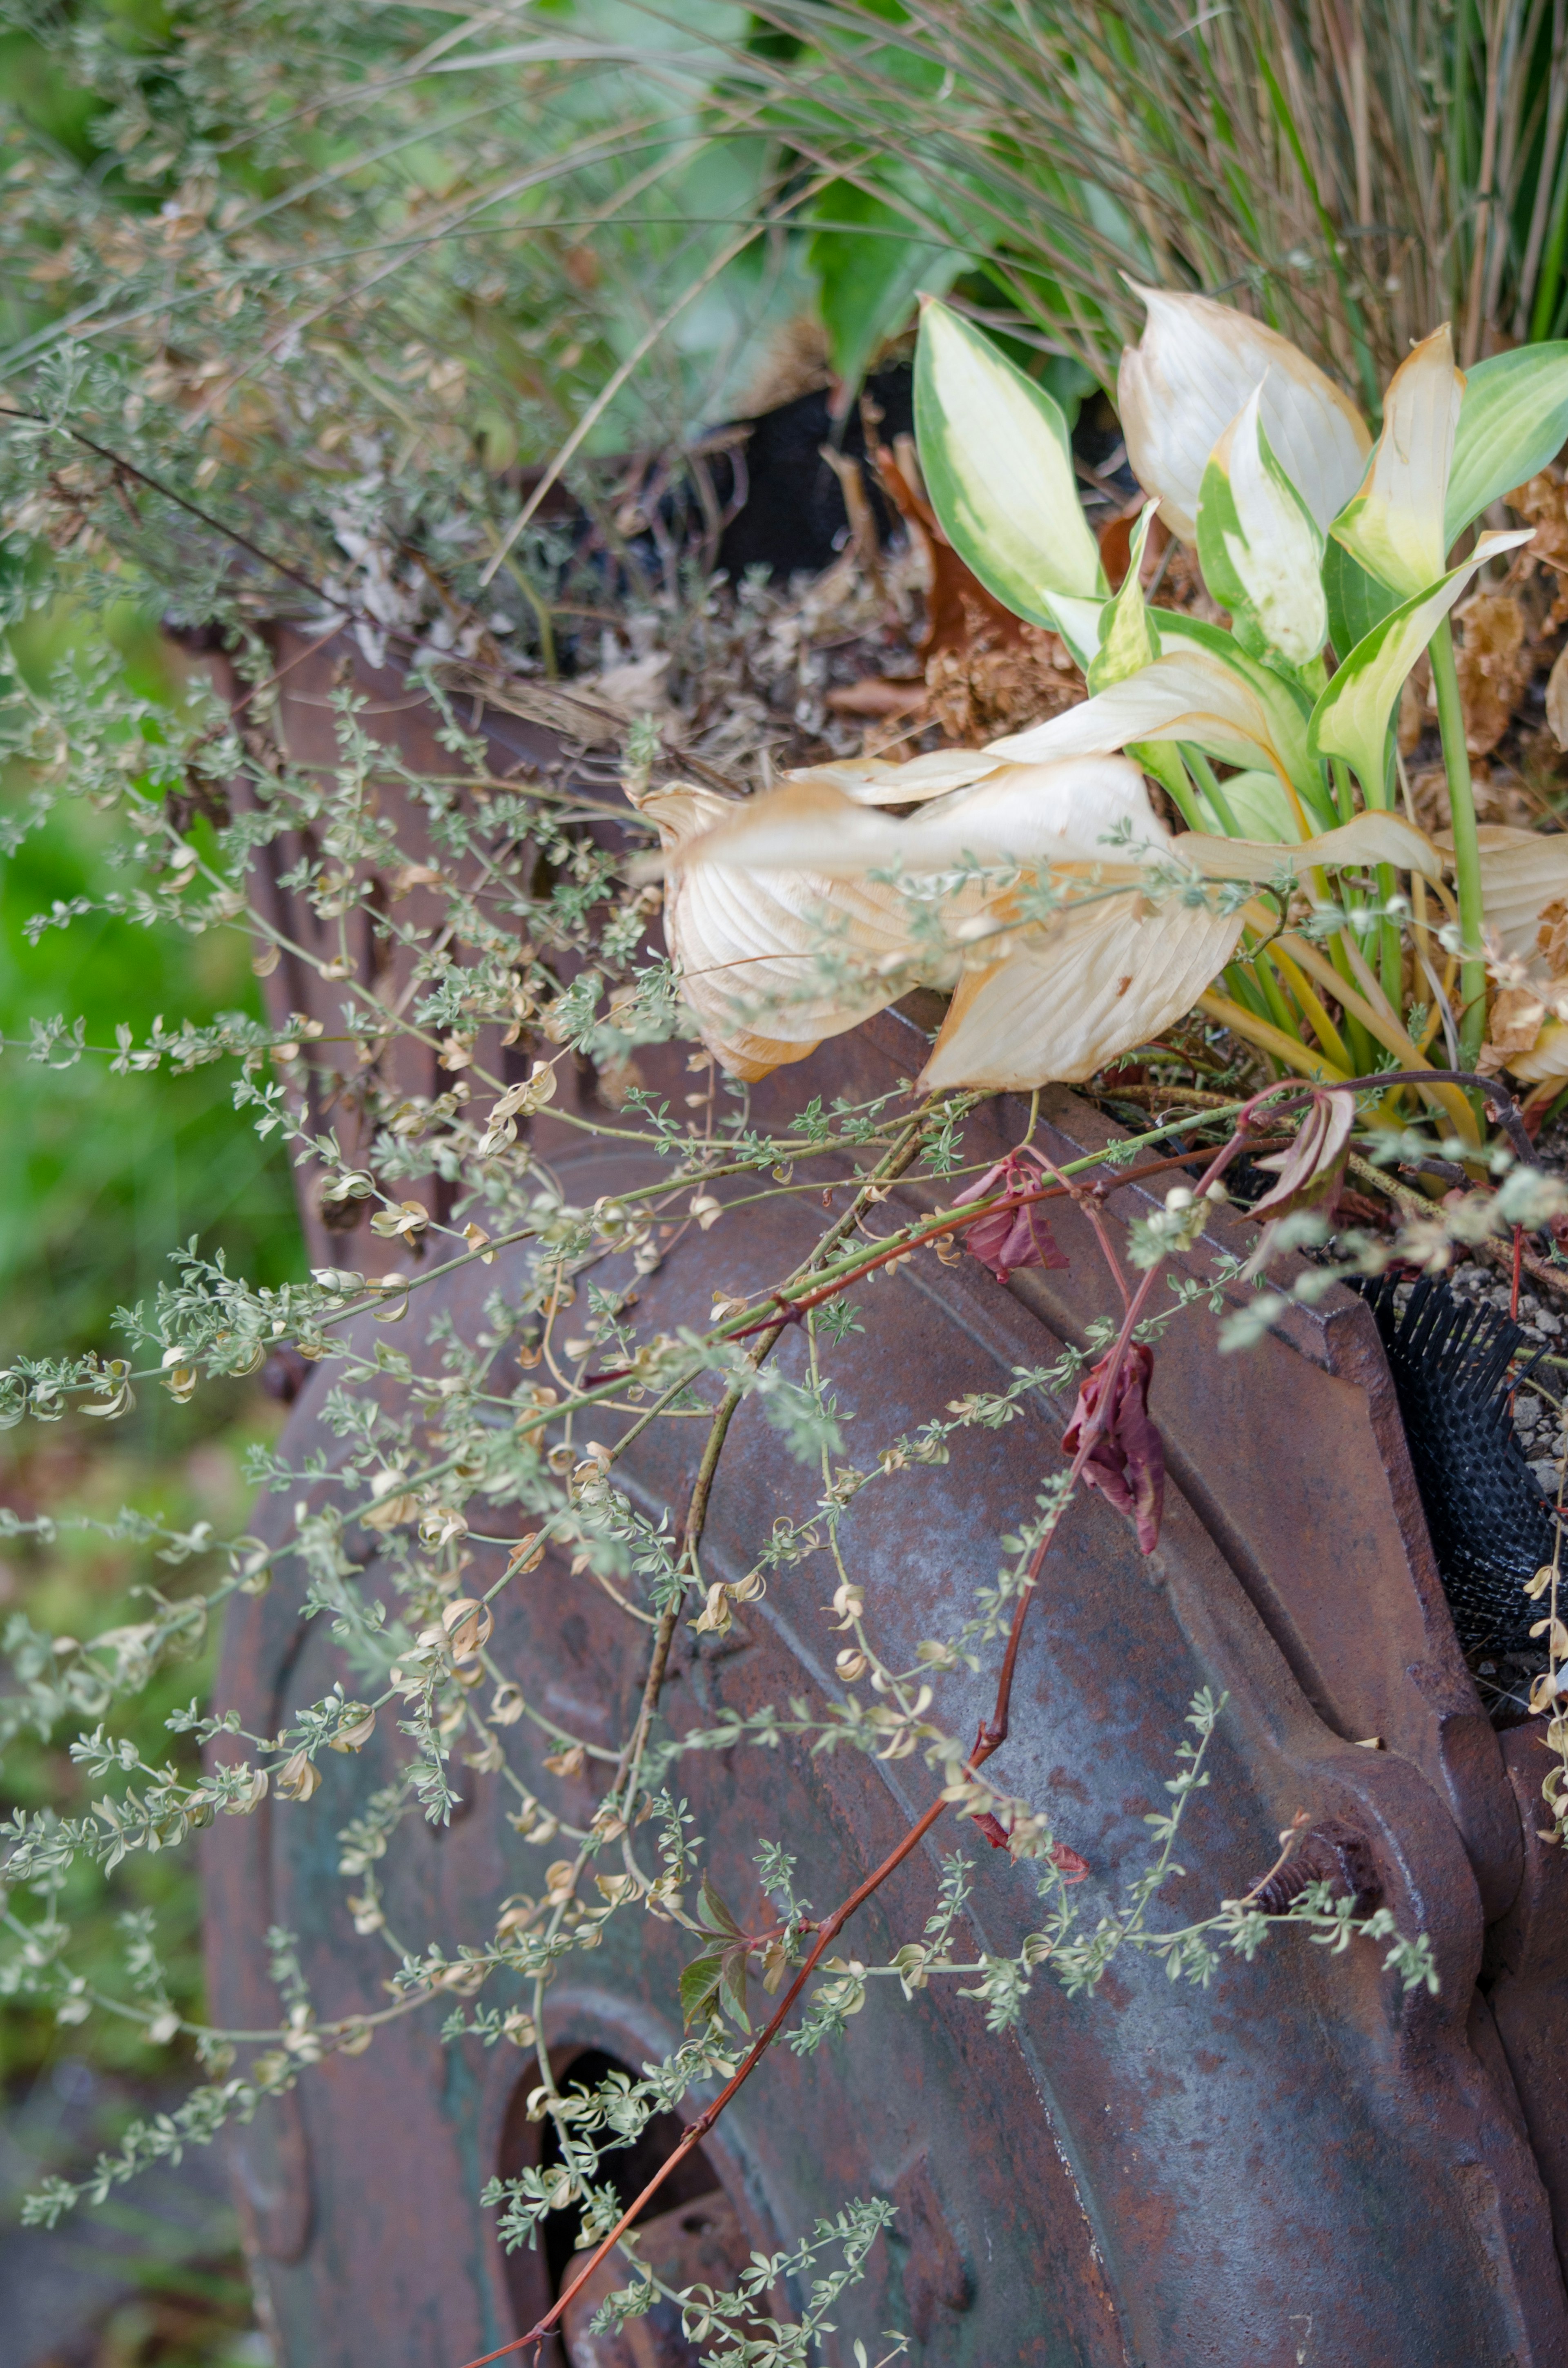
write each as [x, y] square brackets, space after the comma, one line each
[101, 1175]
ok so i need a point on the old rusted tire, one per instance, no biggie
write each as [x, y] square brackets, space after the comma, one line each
[1302, 2162]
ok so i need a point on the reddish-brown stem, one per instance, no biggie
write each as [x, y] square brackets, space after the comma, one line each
[957, 1221]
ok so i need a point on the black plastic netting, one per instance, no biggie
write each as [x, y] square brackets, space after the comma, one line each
[1492, 1527]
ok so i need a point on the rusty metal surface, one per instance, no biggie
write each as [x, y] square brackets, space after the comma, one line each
[1301, 2163]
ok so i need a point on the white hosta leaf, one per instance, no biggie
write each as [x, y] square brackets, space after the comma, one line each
[1394, 526]
[1351, 718]
[1261, 546]
[1078, 990]
[1188, 376]
[1370, 838]
[1548, 1056]
[873, 781]
[748, 950]
[1514, 419]
[1187, 694]
[998, 466]
[1084, 812]
[1078, 623]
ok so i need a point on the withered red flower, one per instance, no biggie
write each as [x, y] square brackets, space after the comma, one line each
[1010, 1238]
[1127, 1461]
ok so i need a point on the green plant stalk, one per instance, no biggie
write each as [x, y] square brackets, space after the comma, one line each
[1202, 772]
[1391, 953]
[1363, 1050]
[1280, 1009]
[1467, 845]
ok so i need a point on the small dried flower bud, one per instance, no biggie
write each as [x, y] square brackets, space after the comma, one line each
[356, 1725]
[506, 1704]
[468, 1624]
[298, 1778]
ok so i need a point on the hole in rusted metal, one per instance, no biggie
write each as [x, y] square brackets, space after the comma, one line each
[535, 2279]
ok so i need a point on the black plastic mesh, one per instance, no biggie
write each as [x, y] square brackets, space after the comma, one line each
[1492, 1527]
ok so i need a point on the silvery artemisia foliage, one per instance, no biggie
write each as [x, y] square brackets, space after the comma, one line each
[450, 1451]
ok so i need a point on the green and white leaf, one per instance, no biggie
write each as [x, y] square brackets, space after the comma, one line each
[1513, 420]
[998, 467]
[1259, 805]
[1356, 601]
[1078, 623]
[1128, 636]
[1351, 720]
[1260, 545]
[1393, 525]
[1285, 742]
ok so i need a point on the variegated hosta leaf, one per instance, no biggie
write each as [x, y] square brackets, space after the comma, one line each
[1082, 813]
[1260, 547]
[1128, 641]
[998, 466]
[1395, 525]
[1521, 875]
[1514, 419]
[1190, 373]
[746, 948]
[1076, 991]
[1078, 623]
[1351, 718]
[1261, 805]
[1187, 694]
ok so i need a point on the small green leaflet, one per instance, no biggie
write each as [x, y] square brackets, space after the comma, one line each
[717, 1979]
[1127, 638]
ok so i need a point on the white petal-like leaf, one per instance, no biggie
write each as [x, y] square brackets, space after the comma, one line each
[1548, 1056]
[1351, 718]
[748, 949]
[1393, 525]
[1087, 812]
[1073, 994]
[998, 466]
[873, 781]
[1261, 548]
[1375, 837]
[1188, 376]
[1521, 873]
[1187, 694]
